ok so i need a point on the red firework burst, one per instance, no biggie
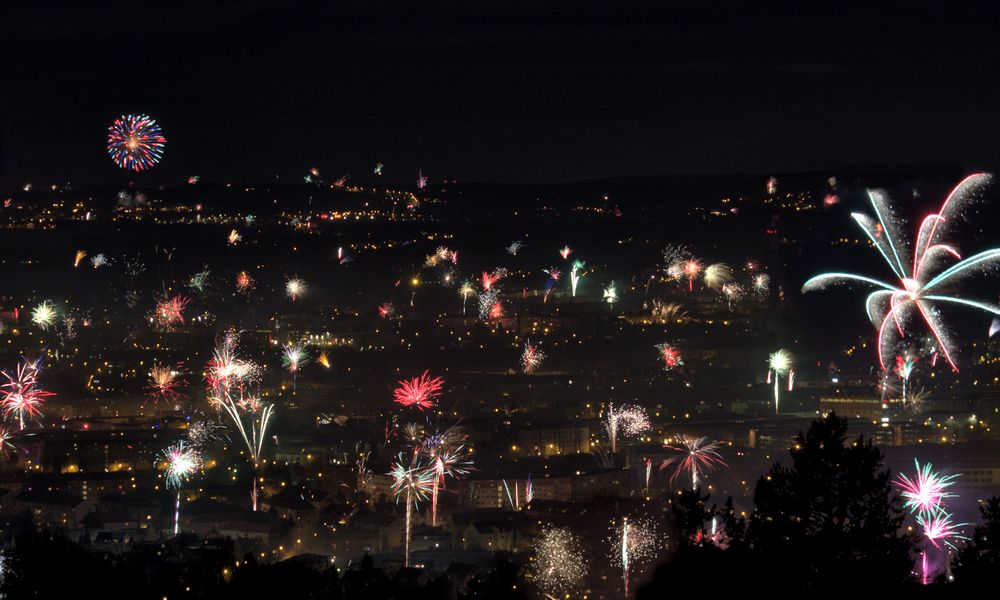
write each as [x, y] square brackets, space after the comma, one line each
[170, 311]
[419, 391]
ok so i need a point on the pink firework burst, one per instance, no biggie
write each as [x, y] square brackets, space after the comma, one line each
[923, 494]
[940, 530]
[695, 456]
[419, 391]
[170, 311]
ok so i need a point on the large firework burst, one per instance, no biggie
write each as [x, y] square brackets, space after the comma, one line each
[922, 282]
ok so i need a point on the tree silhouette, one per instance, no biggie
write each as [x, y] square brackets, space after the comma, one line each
[832, 520]
[829, 522]
[979, 561]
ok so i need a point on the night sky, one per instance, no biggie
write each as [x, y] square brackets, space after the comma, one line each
[512, 90]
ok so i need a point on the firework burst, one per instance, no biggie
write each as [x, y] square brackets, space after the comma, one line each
[199, 281]
[690, 270]
[44, 315]
[169, 312]
[696, 456]
[419, 391]
[531, 357]
[610, 294]
[414, 480]
[490, 306]
[669, 356]
[559, 563]
[165, 383]
[717, 275]
[135, 142]
[294, 357]
[632, 543]
[465, 291]
[627, 420]
[295, 288]
[922, 282]
[21, 395]
[181, 463]
[926, 491]
[244, 283]
[779, 364]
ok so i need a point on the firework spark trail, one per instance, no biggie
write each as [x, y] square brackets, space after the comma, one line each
[891, 307]
[228, 377]
[415, 480]
[575, 275]
[696, 455]
[565, 252]
[465, 290]
[514, 248]
[633, 543]
[629, 420]
[559, 563]
[779, 364]
[21, 394]
[531, 357]
[253, 432]
[447, 462]
[419, 391]
[294, 357]
[181, 461]
[135, 142]
[904, 368]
